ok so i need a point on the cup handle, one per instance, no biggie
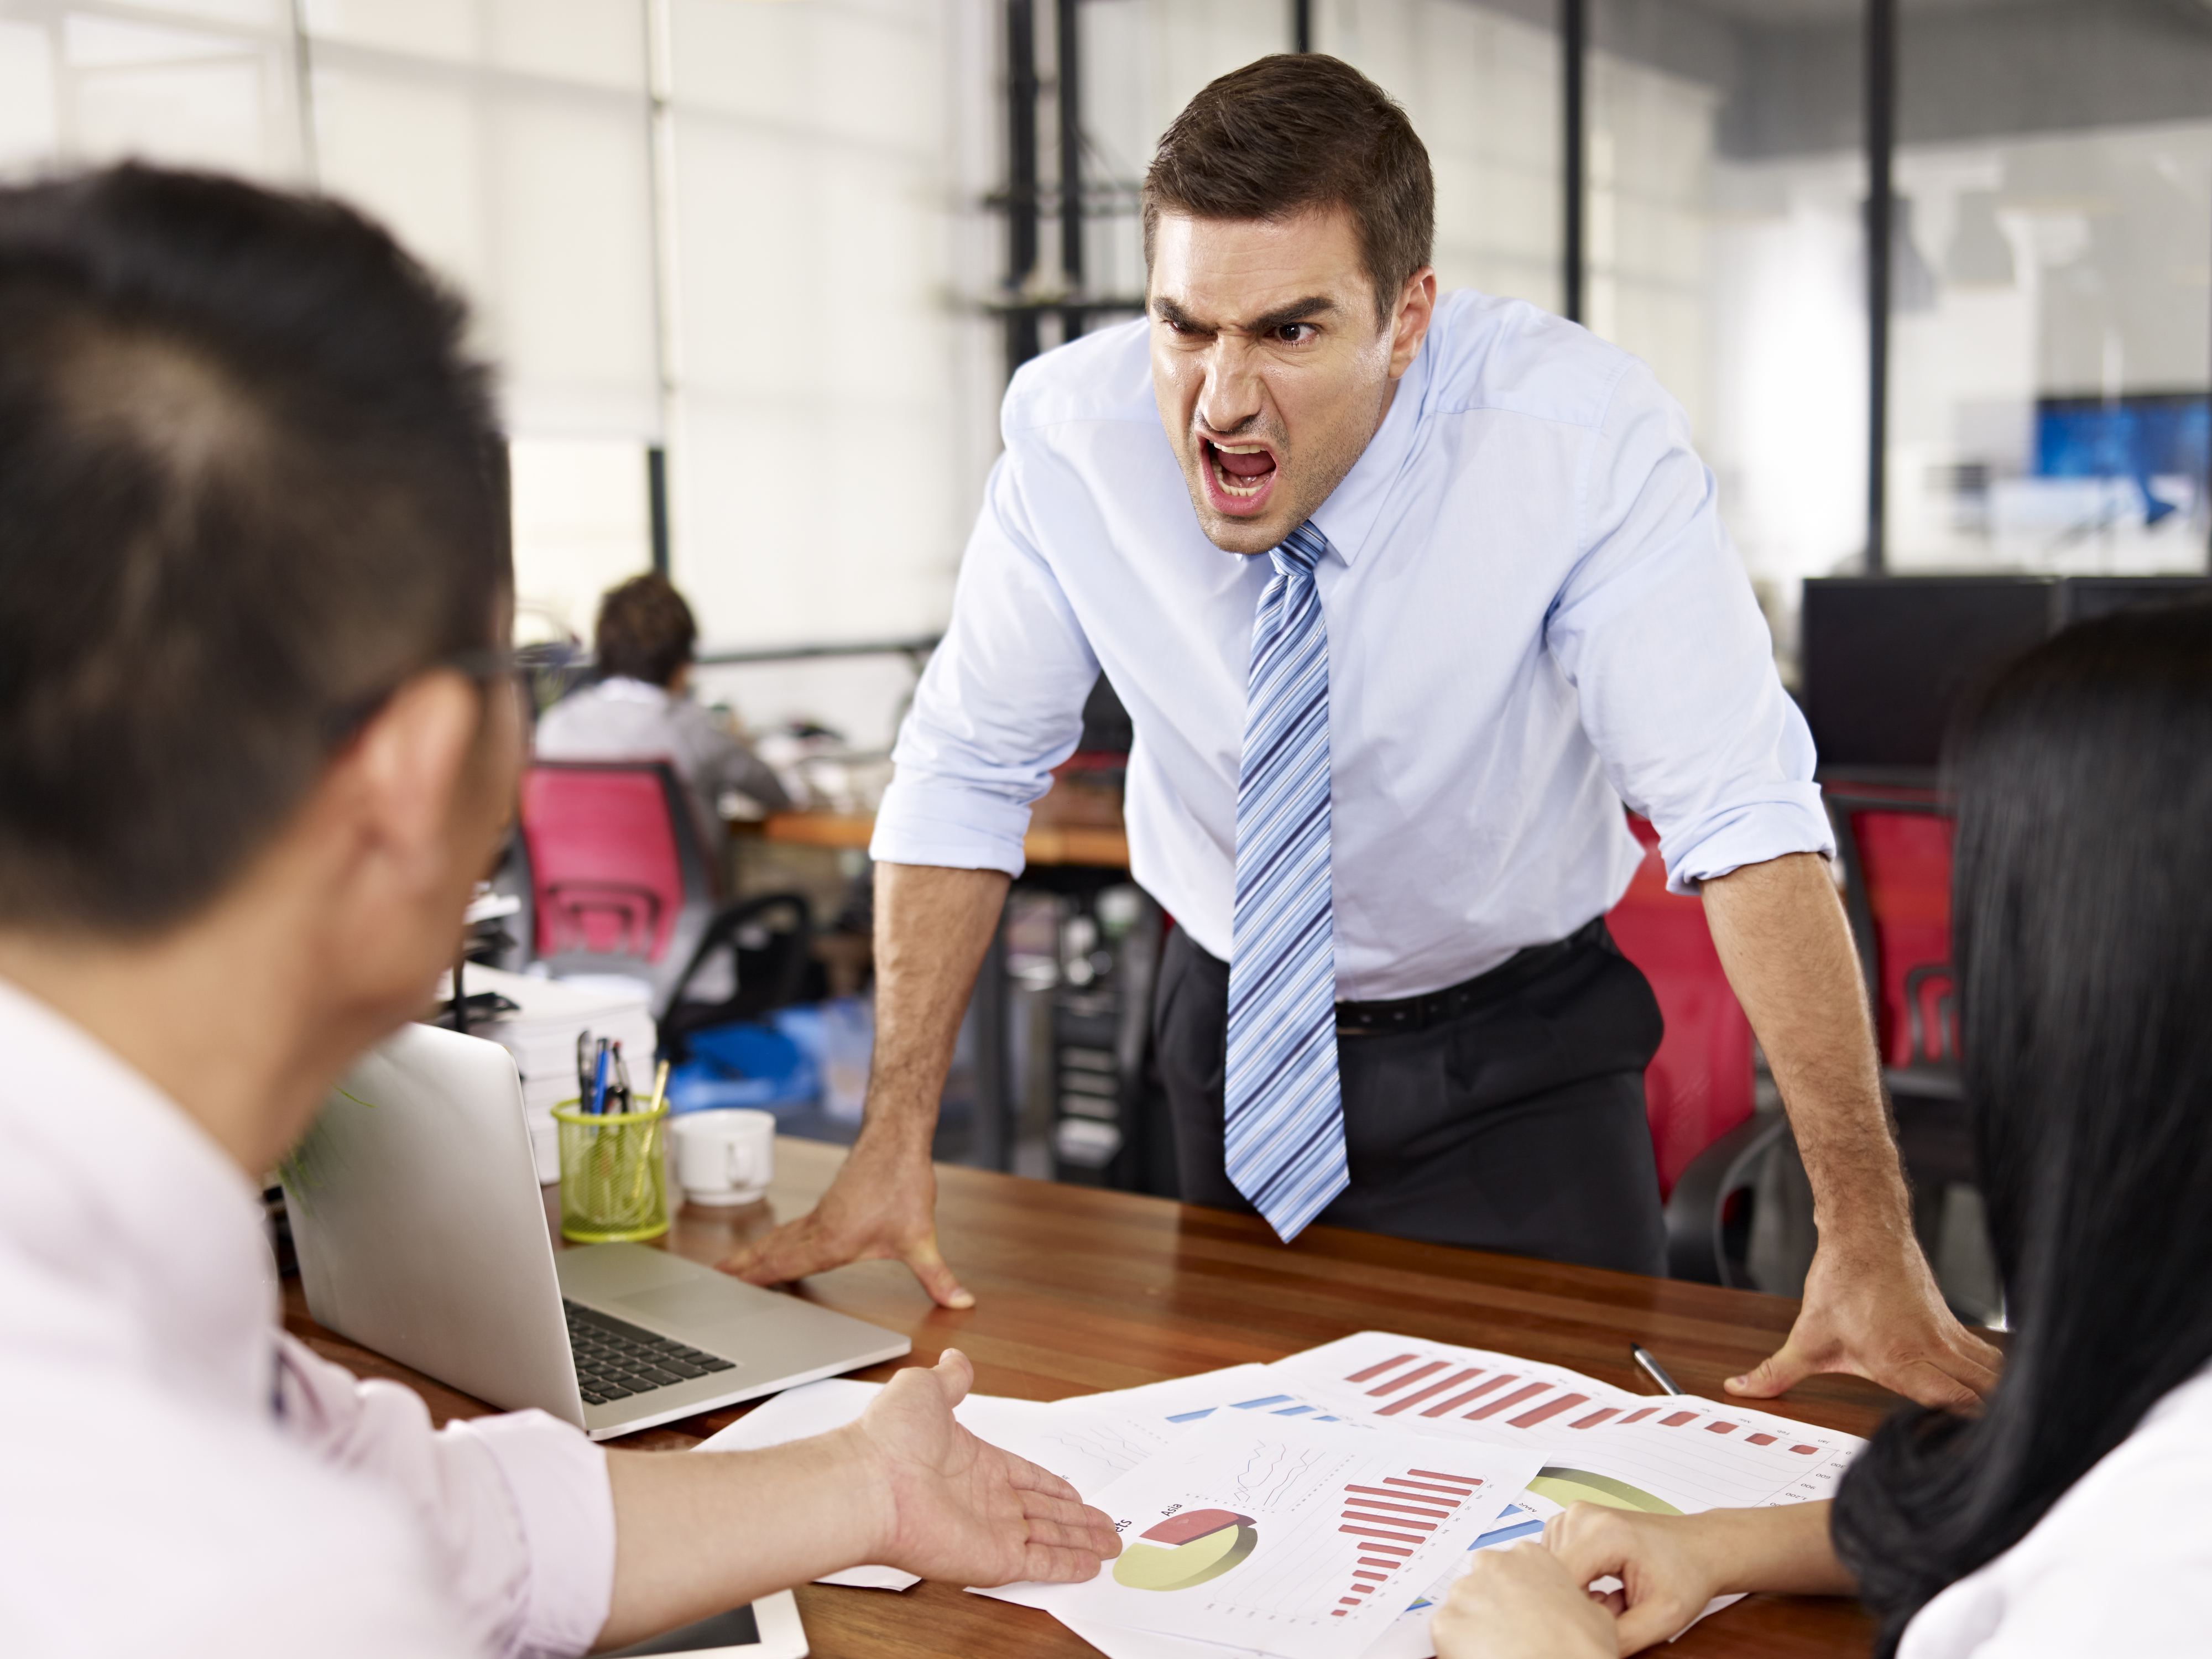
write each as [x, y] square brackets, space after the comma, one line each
[736, 1163]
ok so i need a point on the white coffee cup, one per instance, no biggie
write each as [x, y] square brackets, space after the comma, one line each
[724, 1157]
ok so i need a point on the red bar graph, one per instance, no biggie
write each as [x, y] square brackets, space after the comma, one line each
[1474, 1393]
[1403, 1509]
[1550, 1409]
[1760, 1439]
[1637, 1417]
[1720, 1428]
[1414, 1375]
[1594, 1418]
[1433, 1389]
[1804, 1451]
[1674, 1420]
[1374, 1371]
[1506, 1402]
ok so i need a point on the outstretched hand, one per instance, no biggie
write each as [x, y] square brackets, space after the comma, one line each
[961, 1509]
[878, 1207]
[1872, 1308]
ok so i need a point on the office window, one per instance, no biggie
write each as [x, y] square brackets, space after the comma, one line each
[1724, 178]
[207, 83]
[583, 521]
[1482, 86]
[2051, 331]
[820, 489]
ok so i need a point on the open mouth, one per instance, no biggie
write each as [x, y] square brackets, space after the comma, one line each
[1240, 473]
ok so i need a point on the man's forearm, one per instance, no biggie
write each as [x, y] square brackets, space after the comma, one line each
[694, 1534]
[933, 927]
[1783, 938]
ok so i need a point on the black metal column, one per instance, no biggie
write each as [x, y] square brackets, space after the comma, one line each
[1021, 176]
[1880, 238]
[1301, 25]
[1574, 163]
[1067, 82]
[656, 501]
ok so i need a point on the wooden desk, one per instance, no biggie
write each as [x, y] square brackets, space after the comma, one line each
[1079, 1289]
[1090, 846]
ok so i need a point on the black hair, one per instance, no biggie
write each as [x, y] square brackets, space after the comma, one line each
[2082, 923]
[249, 483]
[645, 631]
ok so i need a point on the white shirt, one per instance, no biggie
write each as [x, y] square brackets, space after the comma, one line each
[180, 1476]
[1533, 615]
[626, 719]
[2122, 1564]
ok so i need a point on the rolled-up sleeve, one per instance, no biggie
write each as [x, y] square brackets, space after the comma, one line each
[519, 1505]
[1657, 629]
[998, 706]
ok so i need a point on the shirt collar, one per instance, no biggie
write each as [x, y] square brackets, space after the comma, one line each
[149, 1232]
[619, 688]
[1348, 516]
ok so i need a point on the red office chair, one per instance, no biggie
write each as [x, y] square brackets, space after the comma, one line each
[1895, 846]
[1698, 1090]
[623, 884]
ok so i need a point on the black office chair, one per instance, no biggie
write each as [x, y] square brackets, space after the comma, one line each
[770, 941]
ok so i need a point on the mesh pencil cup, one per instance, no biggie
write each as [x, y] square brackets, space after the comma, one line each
[614, 1179]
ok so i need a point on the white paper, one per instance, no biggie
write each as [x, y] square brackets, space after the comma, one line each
[1312, 1539]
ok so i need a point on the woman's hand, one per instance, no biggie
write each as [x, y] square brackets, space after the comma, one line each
[959, 1509]
[1669, 1566]
[1521, 1603]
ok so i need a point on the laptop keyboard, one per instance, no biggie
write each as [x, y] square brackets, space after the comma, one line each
[615, 1360]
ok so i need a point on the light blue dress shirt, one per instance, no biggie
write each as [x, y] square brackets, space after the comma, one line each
[1534, 614]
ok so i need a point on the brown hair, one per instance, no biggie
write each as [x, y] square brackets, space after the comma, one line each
[1298, 130]
[248, 485]
[646, 631]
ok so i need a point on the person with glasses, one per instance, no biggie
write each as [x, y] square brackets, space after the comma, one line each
[257, 744]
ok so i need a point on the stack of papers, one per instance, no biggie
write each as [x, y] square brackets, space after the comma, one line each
[1319, 1507]
[541, 1035]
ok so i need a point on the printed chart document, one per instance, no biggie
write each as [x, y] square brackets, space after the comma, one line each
[1672, 1455]
[1296, 1539]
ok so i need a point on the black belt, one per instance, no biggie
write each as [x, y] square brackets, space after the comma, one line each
[1409, 1014]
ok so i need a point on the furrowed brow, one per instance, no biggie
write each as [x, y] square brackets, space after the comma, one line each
[1173, 315]
[1299, 311]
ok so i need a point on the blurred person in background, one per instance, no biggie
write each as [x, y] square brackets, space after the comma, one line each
[640, 708]
[2067, 1516]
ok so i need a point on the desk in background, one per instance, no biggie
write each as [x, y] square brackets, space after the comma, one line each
[1104, 1130]
[1081, 1289]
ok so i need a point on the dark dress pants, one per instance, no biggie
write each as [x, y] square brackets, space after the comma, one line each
[1516, 1125]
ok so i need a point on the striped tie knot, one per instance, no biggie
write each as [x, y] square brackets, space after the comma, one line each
[1299, 551]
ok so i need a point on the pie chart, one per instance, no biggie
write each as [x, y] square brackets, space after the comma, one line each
[1186, 1550]
[1581, 1486]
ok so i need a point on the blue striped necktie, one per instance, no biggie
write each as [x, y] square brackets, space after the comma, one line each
[1285, 1132]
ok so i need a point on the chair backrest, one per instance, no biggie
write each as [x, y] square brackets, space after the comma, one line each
[619, 879]
[1895, 844]
[1699, 1086]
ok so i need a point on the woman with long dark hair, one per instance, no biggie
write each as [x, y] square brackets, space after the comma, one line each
[2070, 1516]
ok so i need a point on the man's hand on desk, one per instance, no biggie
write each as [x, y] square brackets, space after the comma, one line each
[961, 1510]
[1872, 1308]
[881, 1207]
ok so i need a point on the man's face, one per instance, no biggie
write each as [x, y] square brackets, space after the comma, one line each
[1268, 368]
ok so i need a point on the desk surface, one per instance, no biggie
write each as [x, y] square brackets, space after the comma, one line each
[1079, 1289]
[1097, 846]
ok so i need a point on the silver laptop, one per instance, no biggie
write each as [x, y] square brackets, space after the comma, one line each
[421, 1234]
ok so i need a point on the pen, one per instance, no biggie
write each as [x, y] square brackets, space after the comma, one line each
[1652, 1368]
[584, 1069]
[600, 1081]
[620, 1090]
[659, 1088]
